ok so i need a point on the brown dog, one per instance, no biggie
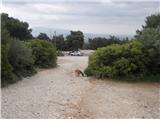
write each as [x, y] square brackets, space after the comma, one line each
[78, 73]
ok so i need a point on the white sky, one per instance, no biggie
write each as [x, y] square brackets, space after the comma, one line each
[90, 16]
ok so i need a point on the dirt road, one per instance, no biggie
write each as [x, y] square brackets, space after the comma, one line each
[57, 93]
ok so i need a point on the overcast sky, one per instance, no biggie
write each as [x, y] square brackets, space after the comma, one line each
[90, 16]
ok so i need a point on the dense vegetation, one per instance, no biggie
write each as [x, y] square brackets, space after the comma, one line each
[149, 37]
[43, 36]
[19, 55]
[17, 29]
[44, 53]
[117, 60]
[139, 57]
[74, 41]
[59, 42]
[98, 42]
[7, 75]
[21, 58]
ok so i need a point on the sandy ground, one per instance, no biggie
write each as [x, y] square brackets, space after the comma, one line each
[58, 93]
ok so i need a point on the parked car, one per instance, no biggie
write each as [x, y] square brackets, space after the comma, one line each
[76, 53]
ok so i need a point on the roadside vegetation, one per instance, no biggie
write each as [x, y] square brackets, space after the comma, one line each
[44, 53]
[21, 53]
[138, 58]
[117, 60]
[98, 42]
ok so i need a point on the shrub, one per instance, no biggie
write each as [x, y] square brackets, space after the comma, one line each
[7, 75]
[59, 53]
[88, 71]
[20, 57]
[44, 52]
[117, 61]
[150, 38]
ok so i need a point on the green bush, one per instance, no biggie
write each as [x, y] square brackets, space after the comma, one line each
[21, 59]
[117, 61]
[44, 52]
[59, 53]
[150, 38]
[88, 71]
[7, 75]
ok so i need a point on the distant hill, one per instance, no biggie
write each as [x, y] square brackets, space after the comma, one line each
[50, 32]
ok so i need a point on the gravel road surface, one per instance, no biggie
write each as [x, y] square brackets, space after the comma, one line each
[58, 93]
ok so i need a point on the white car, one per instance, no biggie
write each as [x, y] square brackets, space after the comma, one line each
[76, 53]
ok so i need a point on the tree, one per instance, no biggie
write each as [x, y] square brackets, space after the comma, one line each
[43, 36]
[16, 57]
[16, 29]
[149, 36]
[75, 40]
[5, 37]
[59, 42]
[98, 42]
[150, 22]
